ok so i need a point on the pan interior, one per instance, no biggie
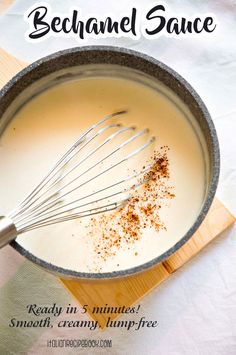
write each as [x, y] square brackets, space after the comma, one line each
[50, 115]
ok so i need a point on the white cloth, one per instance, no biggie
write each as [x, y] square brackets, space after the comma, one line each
[196, 307]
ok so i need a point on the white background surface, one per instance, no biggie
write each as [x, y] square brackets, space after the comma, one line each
[196, 307]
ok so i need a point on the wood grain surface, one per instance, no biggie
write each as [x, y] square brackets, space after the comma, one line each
[4, 4]
[9, 66]
[129, 290]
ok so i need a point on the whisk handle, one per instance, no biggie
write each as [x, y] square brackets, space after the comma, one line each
[8, 231]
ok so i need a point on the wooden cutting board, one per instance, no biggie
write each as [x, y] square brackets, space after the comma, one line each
[128, 291]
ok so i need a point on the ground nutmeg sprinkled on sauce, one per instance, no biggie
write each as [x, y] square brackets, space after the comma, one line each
[125, 225]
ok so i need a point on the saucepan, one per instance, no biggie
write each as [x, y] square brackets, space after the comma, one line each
[67, 65]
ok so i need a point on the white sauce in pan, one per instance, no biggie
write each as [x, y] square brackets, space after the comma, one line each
[48, 124]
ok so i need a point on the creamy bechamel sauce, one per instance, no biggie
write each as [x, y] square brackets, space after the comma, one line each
[47, 125]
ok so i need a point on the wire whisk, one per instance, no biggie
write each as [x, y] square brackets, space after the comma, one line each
[90, 178]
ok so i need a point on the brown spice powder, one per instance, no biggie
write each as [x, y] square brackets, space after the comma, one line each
[125, 225]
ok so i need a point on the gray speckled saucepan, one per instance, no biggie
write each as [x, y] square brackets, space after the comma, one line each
[77, 57]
